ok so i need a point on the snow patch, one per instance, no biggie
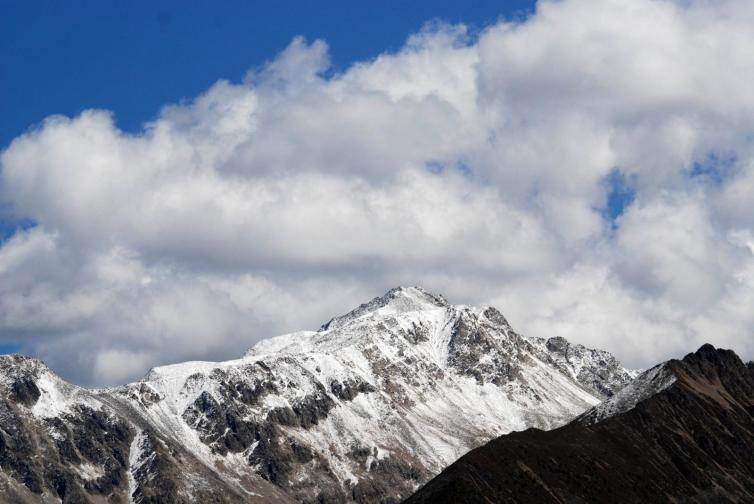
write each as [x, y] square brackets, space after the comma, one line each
[135, 461]
[89, 471]
[56, 396]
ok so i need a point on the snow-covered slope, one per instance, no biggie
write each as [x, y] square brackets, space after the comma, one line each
[365, 409]
[647, 384]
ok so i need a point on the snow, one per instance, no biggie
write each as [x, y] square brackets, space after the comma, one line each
[288, 343]
[57, 396]
[134, 453]
[89, 471]
[644, 386]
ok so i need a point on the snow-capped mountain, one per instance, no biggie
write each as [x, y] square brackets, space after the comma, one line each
[366, 409]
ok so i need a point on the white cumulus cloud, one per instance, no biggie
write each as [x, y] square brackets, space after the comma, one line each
[479, 165]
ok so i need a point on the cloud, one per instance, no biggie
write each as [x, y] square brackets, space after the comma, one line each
[479, 165]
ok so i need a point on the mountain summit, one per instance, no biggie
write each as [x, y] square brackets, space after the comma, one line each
[366, 409]
[397, 300]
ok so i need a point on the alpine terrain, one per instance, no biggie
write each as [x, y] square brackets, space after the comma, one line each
[366, 409]
[683, 431]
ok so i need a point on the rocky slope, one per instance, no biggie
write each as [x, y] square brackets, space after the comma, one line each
[365, 409]
[683, 431]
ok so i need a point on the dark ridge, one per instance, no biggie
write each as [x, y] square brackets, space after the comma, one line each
[713, 356]
[692, 442]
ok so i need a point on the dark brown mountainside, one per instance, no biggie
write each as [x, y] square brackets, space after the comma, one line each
[692, 441]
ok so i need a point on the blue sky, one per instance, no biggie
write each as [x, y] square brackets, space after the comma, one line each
[134, 57]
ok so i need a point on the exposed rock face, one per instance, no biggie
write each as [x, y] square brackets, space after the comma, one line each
[596, 370]
[366, 409]
[682, 432]
[24, 391]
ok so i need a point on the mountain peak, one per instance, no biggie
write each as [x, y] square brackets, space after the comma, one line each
[711, 360]
[415, 293]
[364, 410]
[16, 364]
[708, 353]
[396, 300]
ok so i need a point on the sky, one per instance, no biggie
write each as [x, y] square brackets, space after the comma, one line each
[132, 58]
[178, 184]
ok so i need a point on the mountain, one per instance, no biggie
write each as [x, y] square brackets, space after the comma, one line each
[683, 431]
[366, 409]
